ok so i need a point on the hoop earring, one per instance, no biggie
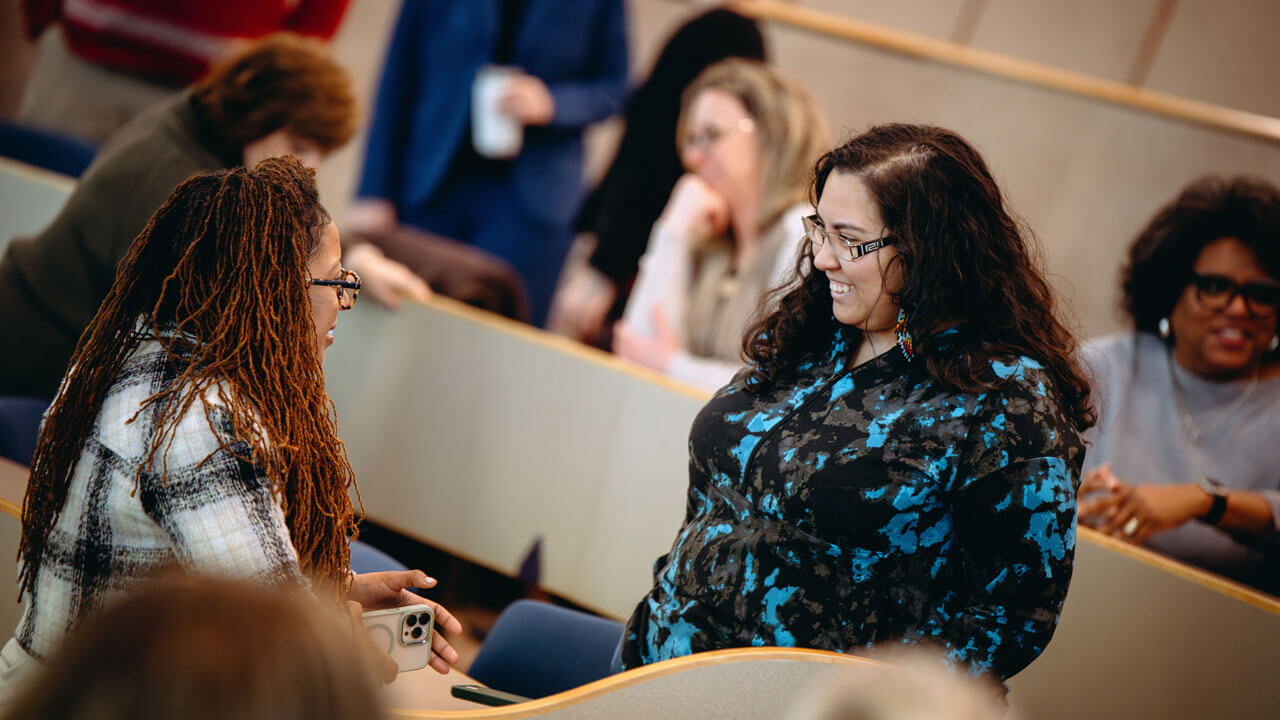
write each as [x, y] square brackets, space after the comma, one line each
[1163, 327]
[904, 335]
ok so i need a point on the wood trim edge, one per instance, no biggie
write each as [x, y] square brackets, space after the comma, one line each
[1218, 117]
[561, 344]
[38, 174]
[1207, 579]
[612, 683]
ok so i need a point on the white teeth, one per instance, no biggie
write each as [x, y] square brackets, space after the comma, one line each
[839, 288]
[1231, 333]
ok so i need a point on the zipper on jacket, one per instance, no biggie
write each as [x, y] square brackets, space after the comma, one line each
[808, 401]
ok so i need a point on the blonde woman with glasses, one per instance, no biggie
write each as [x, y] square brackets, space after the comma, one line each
[731, 229]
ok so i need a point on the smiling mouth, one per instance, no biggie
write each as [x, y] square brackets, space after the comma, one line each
[1231, 336]
[839, 288]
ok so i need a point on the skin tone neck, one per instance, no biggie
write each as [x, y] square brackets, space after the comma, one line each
[874, 345]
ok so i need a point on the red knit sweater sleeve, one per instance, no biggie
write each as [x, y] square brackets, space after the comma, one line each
[174, 43]
[319, 18]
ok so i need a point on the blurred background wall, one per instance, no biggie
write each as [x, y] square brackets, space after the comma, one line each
[1083, 173]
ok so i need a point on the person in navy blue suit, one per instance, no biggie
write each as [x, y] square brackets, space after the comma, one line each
[420, 168]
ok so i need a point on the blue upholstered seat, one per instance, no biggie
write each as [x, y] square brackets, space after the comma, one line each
[537, 649]
[19, 426]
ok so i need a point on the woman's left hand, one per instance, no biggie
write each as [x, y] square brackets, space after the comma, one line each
[654, 353]
[1136, 512]
[382, 590]
[385, 280]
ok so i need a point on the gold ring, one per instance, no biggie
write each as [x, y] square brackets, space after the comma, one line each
[1131, 527]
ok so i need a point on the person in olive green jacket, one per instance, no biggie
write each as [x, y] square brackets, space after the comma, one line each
[283, 95]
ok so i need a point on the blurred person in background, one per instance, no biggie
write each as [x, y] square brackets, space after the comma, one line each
[189, 648]
[557, 65]
[1183, 459]
[282, 95]
[621, 211]
[101, 62]
[731, 229]
[193, 429]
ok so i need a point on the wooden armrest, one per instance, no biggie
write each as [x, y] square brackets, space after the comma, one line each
[13, 486]
[737, 683]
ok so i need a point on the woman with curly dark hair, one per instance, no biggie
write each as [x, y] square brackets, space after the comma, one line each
[898, 463]
[192, 428]
[1184, 455]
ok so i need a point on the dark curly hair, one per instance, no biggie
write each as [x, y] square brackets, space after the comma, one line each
[1212, 207]
[962, 257]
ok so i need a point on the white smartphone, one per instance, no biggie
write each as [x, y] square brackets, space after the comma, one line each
[404, 633]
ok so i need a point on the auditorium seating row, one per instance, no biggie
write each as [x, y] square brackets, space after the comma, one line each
[484, 437]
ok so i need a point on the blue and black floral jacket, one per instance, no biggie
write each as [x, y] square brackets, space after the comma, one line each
[868, 505]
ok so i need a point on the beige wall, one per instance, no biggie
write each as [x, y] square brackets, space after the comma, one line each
[1083, 174]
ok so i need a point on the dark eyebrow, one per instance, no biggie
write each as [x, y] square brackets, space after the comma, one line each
[851, 226]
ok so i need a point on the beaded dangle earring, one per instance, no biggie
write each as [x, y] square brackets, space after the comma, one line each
[904, 335]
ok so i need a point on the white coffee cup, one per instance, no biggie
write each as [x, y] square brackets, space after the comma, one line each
[493, 133]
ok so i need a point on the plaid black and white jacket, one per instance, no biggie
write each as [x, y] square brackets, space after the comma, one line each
[213, 513]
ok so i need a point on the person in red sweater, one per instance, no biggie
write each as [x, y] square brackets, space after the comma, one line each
[102, 61]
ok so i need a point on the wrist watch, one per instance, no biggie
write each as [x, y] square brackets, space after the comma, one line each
[1219, 494]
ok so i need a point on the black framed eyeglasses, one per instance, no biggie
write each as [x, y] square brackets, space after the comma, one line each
[1216, 292]
[843, 247]
[348, 288]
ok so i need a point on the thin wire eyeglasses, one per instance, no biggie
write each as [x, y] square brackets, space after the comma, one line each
[1216, 292]
[348, 288]
[711, 135]
[846, 249]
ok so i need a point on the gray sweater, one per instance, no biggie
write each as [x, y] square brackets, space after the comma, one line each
[1140, 432]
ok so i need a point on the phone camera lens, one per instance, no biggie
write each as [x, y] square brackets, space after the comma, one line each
[417, 633]
[411, 620]
[425, 619]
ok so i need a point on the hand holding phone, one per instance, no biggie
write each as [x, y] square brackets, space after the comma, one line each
[404, 633]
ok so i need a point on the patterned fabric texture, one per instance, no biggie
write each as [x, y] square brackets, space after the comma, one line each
[869, 505]
[214, 513]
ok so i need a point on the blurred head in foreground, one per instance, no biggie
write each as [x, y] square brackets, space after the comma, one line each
[201, 648]
[913, 684]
